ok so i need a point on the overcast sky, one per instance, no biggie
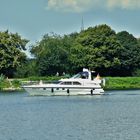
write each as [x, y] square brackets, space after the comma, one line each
[34, 18]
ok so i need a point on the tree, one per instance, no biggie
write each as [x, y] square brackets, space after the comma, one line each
[51, 55]
[130, 58]
[27, 69]
[11, 55]
[100, 50]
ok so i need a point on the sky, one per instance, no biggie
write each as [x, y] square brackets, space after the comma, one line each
[34, 18]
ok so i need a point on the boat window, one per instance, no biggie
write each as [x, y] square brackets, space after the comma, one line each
[76, 83]
[76, 76]
[66, 83]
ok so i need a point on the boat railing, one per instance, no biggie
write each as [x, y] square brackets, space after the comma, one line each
[38, 82]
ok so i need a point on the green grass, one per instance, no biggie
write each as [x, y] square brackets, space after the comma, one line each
[122, 83]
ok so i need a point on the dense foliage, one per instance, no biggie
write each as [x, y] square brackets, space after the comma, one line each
[11, 55]
[98, 48]
[130, 58]
[50, 55]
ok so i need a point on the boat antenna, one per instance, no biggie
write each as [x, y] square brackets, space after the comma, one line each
[82, 24]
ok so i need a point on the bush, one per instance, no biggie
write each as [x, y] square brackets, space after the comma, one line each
[16, 83]
[136, 72]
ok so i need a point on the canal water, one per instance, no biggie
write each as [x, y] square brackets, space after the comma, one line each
[114, 116]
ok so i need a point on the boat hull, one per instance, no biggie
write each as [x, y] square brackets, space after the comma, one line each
[62, 91]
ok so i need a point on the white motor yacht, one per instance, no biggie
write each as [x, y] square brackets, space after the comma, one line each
[80, 84]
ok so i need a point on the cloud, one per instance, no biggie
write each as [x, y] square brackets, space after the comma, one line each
[85, 5]
[124, 4]
[70, 5]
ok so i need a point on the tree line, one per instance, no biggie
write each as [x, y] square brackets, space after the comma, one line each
[98, 48]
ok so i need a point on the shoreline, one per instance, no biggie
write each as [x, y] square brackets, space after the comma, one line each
[112, 83]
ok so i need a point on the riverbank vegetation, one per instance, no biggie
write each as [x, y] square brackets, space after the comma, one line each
[112, 83]
[117, 83]
[98, 48]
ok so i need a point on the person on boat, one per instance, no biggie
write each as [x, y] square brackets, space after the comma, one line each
[57, 74]
[63, 73]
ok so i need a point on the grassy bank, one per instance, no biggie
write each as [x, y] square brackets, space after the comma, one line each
[122, 83]
[15, 84]
[112, 83]
[10, 85]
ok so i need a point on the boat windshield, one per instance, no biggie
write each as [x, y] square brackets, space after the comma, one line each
[76, 76]
[83, 75]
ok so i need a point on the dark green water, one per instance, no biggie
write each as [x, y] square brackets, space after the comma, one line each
[115, 116]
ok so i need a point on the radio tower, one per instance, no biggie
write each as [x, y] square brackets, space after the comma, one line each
[82, 24]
